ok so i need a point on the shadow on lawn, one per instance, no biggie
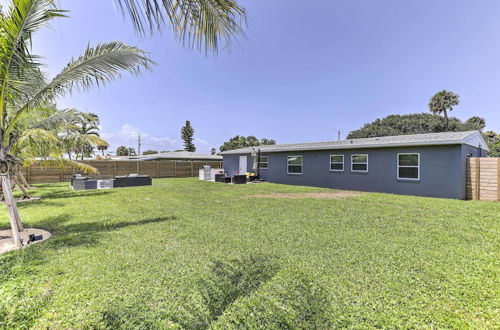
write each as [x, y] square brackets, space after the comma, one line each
[253, 291]
[67, 234]
[228, 281]
[72, 193]
[39, 202]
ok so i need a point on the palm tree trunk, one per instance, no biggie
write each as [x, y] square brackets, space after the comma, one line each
[446, 120]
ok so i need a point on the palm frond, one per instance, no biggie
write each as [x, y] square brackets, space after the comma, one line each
[56, 120]
[19, 68]
[77, 141]
[65, 164]
[37, 143]
[96, 67]
[201, 24]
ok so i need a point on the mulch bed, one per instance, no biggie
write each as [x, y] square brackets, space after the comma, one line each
[7, 240]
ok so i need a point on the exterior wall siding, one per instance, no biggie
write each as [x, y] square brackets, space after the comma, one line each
[442, 170]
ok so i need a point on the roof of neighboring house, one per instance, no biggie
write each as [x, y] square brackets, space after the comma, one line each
[173, 155]
[473, 138]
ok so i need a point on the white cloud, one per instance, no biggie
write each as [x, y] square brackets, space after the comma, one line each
[128, 136]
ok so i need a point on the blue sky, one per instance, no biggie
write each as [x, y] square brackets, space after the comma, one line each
[303, 72]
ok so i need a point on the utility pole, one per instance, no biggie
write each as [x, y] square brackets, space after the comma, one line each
[139, 144]
[338, 133]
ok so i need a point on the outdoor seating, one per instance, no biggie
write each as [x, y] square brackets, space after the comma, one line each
[105, 184]
[84, 184]
[78, 177]
[240, 179]
[132, 180]
[222, 178]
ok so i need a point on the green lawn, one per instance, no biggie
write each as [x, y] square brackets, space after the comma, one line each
[197, 254]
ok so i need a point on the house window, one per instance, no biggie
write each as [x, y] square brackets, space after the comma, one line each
[409, 166]
[294, 164]
[337, 163]
[359, 163]
[263, 162]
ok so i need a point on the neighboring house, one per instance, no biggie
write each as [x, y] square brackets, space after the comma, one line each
[173, 155]
[431, 165]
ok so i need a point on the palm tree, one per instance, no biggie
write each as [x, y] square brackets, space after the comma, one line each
[38, 138]
[206, 25]
[87, 126]
[442, 102]
[23, 86]
[103, 147]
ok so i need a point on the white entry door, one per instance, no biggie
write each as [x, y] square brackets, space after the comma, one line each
[243, 165]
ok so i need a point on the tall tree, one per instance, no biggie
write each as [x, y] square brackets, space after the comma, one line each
[40, 137]
[476, 123]
[442, 102]
[103, 147]
[416, 123]
[493, 140]
[82, 135]
[187, 133]
[87, 125]
[240, 141]
[266, 142]
[122, 151]
[23, 86]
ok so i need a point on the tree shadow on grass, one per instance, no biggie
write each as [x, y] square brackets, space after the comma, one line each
[67, 234]
[227, 281]
[38, 202]
[73, 193]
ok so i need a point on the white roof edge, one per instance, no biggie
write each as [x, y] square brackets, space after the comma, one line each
[385, 145]
[474, 139]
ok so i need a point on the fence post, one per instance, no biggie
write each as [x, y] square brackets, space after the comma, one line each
[29, 174]
[175, 169]
[478, 178]
[192, 171]
[138, 168]
[498, 179]
[158, 169]
[61, 175]
[114, 168]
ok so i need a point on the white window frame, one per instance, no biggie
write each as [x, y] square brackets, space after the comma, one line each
[352, 163]
[343, 163]
[409, 166]
[266, 162]
[301, 164]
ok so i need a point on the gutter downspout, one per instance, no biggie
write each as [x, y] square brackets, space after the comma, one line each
[258, 166]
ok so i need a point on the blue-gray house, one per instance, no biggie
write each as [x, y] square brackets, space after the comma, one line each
[431, 164]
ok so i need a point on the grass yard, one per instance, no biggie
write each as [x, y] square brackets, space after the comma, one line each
[191, 254]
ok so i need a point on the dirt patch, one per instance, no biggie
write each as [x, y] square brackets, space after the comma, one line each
[319, 195]
[7, 241]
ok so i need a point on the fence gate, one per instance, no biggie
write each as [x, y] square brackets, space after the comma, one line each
[483, 179]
